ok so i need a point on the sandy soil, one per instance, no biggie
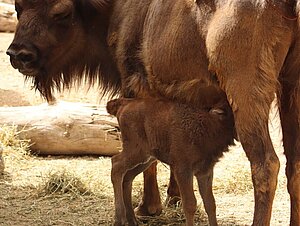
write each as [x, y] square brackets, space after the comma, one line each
[21, 204]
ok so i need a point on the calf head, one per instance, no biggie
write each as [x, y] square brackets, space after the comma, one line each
[223, 111]
[57, 41]
[113, 106]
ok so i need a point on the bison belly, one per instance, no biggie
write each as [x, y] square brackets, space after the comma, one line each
[174, 51]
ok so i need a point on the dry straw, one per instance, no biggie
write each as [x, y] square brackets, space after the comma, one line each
[9, 138]
[63, 182]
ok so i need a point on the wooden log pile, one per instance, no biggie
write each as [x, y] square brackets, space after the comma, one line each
[65, 128]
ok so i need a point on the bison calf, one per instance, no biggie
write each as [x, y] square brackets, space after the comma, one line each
[190, 140]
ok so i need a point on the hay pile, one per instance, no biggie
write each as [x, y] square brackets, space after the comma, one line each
[60, 183]
[1, 160]
[9, 140]
[78, 191]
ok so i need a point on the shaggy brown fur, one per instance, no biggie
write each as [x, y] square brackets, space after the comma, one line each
[175, 134]
[193, 51]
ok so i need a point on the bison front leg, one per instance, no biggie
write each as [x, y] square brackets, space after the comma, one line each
[251, 118]
[173, 191]
[290, 116]
[247, 55]
[151, 202]
[251, 106]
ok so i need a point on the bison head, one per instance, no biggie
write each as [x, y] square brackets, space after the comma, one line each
[58, 42]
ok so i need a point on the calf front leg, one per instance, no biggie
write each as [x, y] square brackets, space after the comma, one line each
[117, 174]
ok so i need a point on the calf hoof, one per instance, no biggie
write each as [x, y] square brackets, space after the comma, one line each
[143, 210]
[172, 201]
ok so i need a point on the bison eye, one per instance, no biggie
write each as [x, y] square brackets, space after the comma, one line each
[63, 17]
[62, 12]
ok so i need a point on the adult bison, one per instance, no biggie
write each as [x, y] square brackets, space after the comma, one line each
[192, 51]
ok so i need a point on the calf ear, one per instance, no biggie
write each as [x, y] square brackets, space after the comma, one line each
[217, 111]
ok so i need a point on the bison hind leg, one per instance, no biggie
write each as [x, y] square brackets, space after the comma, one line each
[151, 202]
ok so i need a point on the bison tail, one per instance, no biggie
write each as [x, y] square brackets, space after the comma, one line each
[113, 106]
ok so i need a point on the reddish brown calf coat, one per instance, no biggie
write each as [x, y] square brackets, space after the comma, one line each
[188, 139]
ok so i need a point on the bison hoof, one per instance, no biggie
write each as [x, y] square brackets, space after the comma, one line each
[116, 223]
[143, 210]
[133, 223]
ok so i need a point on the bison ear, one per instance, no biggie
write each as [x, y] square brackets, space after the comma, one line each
[100, 5]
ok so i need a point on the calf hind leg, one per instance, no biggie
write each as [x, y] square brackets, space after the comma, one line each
[184, 178]
[127, 189]
[205, 189]
[124, 167]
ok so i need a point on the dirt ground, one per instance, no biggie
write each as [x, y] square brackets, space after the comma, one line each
[23, 202]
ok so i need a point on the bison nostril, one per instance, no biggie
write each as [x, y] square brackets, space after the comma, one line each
[11, 52]
[23, 55]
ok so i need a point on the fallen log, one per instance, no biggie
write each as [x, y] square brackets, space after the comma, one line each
[65, 128]
[8, 17]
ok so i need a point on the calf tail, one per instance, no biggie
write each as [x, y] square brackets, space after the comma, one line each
[113, 106]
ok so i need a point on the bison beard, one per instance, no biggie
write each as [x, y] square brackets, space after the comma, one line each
[198, 52]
